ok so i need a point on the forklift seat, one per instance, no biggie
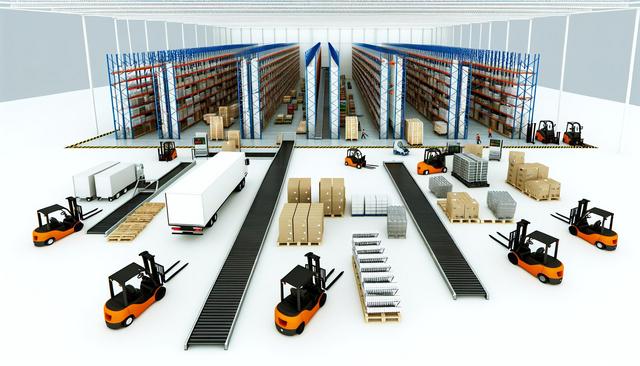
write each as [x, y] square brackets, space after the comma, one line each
[54, 223]
[147, 287]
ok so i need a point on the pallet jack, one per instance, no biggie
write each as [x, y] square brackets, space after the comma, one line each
[167, 151]
[598, 233]
[51, 229]
[124, 307]
[434, 162]
[573, 134]
[541, 264]
[399, 148]
[307, 295]
[546, 133]
[356, 159]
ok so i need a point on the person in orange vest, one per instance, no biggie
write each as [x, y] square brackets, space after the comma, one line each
[490, 132]
[478, 139]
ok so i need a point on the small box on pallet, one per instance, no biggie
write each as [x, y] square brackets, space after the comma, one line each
[300, 228]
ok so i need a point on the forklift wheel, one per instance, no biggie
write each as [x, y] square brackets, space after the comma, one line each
[542, 278]
[300, 328]
[425, 172]
[512, 258]
[346, 164]
[359, 166]
[50, 241]
[444, 170]
[117, 195]
[600, 246]
[110, 199]
[323, 299]
[573, 230]
[127, 322]
[160, 293]
[78, 227]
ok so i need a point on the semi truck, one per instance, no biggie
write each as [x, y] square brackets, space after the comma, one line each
[84, 184]
[117, 180]
[193, 201]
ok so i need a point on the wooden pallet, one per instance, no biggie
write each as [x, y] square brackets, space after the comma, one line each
[333, 215]
[133, 225]
[550, 198]
[297, 244]
[374, 317]
[443, 205]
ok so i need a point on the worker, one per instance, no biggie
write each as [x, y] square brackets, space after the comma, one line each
[478, 139]
[490, 132]
[364, 134]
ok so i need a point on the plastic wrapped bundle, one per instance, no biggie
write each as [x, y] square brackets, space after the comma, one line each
[371, 258]
[440, 186]
[501, 204]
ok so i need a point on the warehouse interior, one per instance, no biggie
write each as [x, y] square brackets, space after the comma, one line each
[292, 85]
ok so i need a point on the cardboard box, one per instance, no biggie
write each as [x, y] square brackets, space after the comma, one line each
[228, 113]
[455, 207]
[516, 157]
[539, 189]
[229, 146]
[471, 209]
[526, 172]
[414, 129]
[325, 194]
[304, 190]
[235, 137]
[351, 128]
[474, 149]
[216, 128]
[554, 187]
[285, 223]
[337, 196]
[300, 228]
[543, 170]
[315, 223]
[207, 117]
[292, 190]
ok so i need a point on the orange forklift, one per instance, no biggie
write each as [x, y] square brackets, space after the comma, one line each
[51, 229]
[546, 133]
[308, 293]
[356, 159]
[434, 162]
[573, 134]
[167, 151]
[124, 307]
[541, 264]
[598, 233]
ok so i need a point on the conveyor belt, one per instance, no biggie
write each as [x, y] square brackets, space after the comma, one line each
[453, 266]
[116, 216]
[215, 323]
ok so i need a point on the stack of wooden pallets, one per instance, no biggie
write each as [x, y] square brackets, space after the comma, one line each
[136, 222]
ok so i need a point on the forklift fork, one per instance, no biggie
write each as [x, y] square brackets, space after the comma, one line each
[172, 267]
[499, 241]
[561, 217]
[334, 280]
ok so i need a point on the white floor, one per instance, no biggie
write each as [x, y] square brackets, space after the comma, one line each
[53, 296]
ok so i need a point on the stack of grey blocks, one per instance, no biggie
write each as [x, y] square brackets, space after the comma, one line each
[440, 186]
[501, 204]
[470, 167]
[396, 222]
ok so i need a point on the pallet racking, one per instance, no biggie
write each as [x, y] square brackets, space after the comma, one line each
[312, 81]
[169, 91]
[266, 74]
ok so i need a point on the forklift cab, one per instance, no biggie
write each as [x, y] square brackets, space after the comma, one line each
[50, 228]
[302, 292]
[542, 255]
[603, 224]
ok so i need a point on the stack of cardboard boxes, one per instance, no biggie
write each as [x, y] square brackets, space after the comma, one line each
[414, 131]
[233, 141]
[216, 127]
[302, 127]
[531, 178]
[440, 127]
[301, 223]
[475, 149]
[299, 190]
[461, 206]
[332, 196]
[208, 117]
[351, 128]
[228, 113]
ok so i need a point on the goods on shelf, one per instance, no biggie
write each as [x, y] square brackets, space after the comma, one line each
[288, 119]
[501, 204]
[301, 223]
[375, 281]
[216, 128]
[414, 130]
[475, 149]
[286, 99]
[351, 128]
[280, 119]
[369, 205]
[521, 173]
[440, 186]
[470, 169]
[396, 222]
[299, 190]
[440, 127]
[302, 127]
[332, 196]
[366, 74]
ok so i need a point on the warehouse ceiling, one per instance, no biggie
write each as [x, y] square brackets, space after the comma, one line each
[326, 13]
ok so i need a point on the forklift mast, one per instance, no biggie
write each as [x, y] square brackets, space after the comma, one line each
[150, 266]
[578, 213]
[315, 268]
[519, 235]
[73, 208]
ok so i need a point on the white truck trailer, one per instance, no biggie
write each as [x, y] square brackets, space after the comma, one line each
[117, 180]
[193, 201]
[84, 184]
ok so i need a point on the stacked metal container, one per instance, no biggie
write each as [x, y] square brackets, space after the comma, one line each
[470, 167]
[377, 287]
[440, 186]
[501, 204]
[396, 222]
[369, 205]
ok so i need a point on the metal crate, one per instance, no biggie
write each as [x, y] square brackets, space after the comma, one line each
[440, 186]
[396, 222]
[470, 167]
[501, 204]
